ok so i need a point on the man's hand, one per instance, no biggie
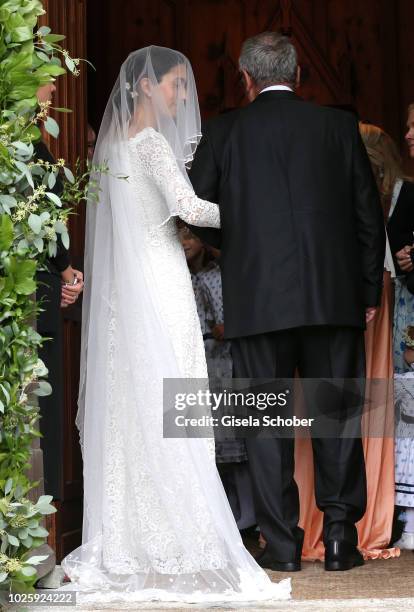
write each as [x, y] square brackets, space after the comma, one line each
[70, 293]
[404, 259]
[370, 314]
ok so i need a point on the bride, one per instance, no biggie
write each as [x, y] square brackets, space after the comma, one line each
[157, 524]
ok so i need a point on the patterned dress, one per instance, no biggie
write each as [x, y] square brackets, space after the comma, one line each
[403, 317]
[231, 454]
[404, 439]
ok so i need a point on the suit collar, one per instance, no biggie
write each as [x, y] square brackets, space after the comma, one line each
[276, 94]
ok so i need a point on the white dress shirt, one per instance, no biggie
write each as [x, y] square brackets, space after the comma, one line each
[277, 88]
[389, 262]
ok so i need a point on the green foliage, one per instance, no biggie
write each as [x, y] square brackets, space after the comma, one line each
[31, 219]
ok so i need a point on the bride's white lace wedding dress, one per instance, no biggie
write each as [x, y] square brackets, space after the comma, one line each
[157, 522]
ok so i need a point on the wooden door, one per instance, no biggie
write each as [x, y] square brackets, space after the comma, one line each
[351, 52]
[68, 17]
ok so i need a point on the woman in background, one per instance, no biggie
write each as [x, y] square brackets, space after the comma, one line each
[374, 530]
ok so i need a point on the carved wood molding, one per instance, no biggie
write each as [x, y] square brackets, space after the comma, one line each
[286, 17]
[288, 20]
[328, 73]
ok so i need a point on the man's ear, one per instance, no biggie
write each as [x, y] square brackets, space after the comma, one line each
[298, 74]
[249, 85]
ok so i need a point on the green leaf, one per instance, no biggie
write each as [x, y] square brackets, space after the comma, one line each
[4, 15]
[45, 216]
[3, 576]
[54, 198]
[13, 540]
[5, 392]
[18, 492]
[60, 227]
[61, 109]
[42, 56]
[28, 542]
[70, 64]
[47, 510]
[36, 559]
[8, 202]
[25, 91]
[51, 127]
[52, 249]
[65, 240]
[51, 182]
[18, 28]
[45, 499]
[8, 486]
[39, 244]
[69, 175]
[39, 532]
[23, 148]
[22, 273]
[35, 223]
[44, 31]
[52, 38]
[28, 570]
[4, 544]
[6, 232]
[25, 171]
[49, 70]
[44, 388]
[33, 133]
[22, 245]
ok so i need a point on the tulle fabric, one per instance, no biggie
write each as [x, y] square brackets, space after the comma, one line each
[157, 524]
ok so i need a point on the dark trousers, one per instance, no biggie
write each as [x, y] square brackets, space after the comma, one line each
[49, 325]
[340, 481]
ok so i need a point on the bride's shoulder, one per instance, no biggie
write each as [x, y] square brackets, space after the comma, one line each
[150, 147]
[148, 134]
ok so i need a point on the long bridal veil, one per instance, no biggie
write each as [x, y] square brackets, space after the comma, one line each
[157, 524]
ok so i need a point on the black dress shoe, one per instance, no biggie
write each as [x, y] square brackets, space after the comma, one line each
[267, 561]
[341, 555]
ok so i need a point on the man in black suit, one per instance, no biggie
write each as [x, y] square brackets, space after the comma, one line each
[302, 254]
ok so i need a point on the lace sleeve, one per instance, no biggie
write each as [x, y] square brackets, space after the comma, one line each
[159, 162]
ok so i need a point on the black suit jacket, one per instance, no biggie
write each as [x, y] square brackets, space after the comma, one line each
[401, 223]
[302, 234]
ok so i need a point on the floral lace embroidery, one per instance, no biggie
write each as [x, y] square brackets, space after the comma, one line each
[154, 155]
[150, 526]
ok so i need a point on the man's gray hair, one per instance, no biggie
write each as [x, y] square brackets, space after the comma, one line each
[269, 58]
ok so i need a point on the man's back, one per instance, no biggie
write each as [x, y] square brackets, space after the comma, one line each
[294, 187]
[302, 243]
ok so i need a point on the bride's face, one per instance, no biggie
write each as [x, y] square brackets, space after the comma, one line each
[173, 87]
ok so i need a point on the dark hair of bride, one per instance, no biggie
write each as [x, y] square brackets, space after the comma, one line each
[163, 60]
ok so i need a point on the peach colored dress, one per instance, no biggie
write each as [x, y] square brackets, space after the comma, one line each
[374, 529]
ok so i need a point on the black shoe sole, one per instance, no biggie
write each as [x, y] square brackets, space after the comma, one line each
[282, 567]
[341, 566]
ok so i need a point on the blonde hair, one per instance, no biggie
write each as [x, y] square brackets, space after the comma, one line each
[384, 156]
